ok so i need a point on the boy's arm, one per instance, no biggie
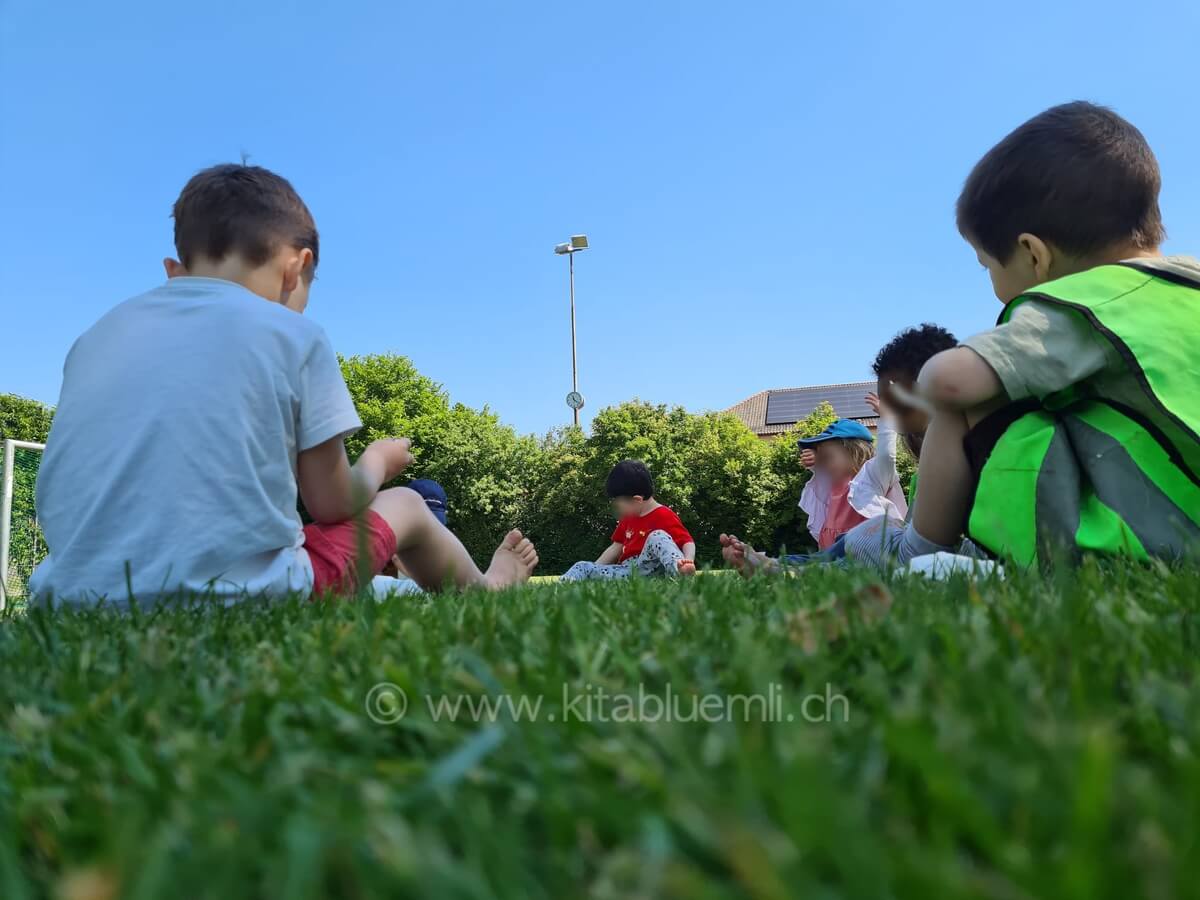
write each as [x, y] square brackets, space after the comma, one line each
[682, 537]
[611, 554]
[1042, 349]
[962, 386]
[333, 490]
[959, 379]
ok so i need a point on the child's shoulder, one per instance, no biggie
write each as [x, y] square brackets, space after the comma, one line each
[1180, 266]
[215, 301]
[198, 314]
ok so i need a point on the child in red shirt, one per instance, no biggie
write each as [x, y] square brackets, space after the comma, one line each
[649, 536]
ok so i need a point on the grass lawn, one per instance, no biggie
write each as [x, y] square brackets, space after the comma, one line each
[1027, 738]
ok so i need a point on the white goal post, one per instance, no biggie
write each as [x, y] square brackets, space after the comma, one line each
[6, 514]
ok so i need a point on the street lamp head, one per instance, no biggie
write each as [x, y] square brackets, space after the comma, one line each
[578, 242]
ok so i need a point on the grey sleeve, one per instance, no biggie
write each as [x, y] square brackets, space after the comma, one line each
[326, 408]
[1042, 349]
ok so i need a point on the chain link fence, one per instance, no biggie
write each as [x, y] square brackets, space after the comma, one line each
[22, 545]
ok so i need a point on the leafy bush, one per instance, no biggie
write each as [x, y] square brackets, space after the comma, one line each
[22, 419]
[711, 469]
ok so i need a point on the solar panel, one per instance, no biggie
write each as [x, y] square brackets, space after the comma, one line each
[786, 407]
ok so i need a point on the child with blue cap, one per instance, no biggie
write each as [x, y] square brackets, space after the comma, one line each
[850, 482]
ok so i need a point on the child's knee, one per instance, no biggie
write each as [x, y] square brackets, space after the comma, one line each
[397, 500]
[658, 536]
[404, 510]
[577, 572]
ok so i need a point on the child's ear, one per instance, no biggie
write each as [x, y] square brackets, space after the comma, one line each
[1036, 255]
[294, 267]
[174, 268]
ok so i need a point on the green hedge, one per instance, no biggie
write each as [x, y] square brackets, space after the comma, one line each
[710, 468]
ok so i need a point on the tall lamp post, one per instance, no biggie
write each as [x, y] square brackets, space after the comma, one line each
[569, 249]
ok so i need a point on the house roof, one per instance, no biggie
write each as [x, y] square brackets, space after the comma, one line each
[775, 411]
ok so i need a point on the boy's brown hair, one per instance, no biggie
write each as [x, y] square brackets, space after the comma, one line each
[1077, 175]
[244, 210]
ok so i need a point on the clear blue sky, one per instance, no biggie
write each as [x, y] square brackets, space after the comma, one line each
[768, 187]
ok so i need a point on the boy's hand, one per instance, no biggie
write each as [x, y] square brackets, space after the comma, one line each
[333, 490]
[873, 401]
[808, 458]
[394, 453]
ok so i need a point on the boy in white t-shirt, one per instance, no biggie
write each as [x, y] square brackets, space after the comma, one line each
[191, 415]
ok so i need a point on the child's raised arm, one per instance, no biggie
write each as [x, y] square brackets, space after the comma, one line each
[884, 460]
[333, 490]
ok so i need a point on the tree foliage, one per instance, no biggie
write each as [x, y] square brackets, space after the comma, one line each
[483, 465]
[22, 419]
[711, 469]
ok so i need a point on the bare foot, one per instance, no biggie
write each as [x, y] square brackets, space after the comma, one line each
[512, 563]
[733, 551]
[742, 556]
[686, 567]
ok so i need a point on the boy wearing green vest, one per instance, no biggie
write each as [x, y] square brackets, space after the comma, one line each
[1072, 426]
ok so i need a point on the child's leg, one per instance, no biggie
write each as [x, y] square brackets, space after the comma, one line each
[433, 556]
[831, 554]
[877, 542]
[660, 555]
[587, 571]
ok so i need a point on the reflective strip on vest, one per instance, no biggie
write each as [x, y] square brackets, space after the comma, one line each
[1004, 516]
[1132, 475]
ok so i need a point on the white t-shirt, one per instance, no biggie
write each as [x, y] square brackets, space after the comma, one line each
[173, 450]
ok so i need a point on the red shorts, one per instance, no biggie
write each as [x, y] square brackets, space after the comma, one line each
[333, 551]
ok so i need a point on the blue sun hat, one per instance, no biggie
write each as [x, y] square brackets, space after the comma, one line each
[434, 495]
[846, 429]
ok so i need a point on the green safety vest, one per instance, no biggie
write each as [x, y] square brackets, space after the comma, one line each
[1082, 472]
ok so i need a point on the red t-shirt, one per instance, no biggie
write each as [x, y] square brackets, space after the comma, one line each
[632, 531]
